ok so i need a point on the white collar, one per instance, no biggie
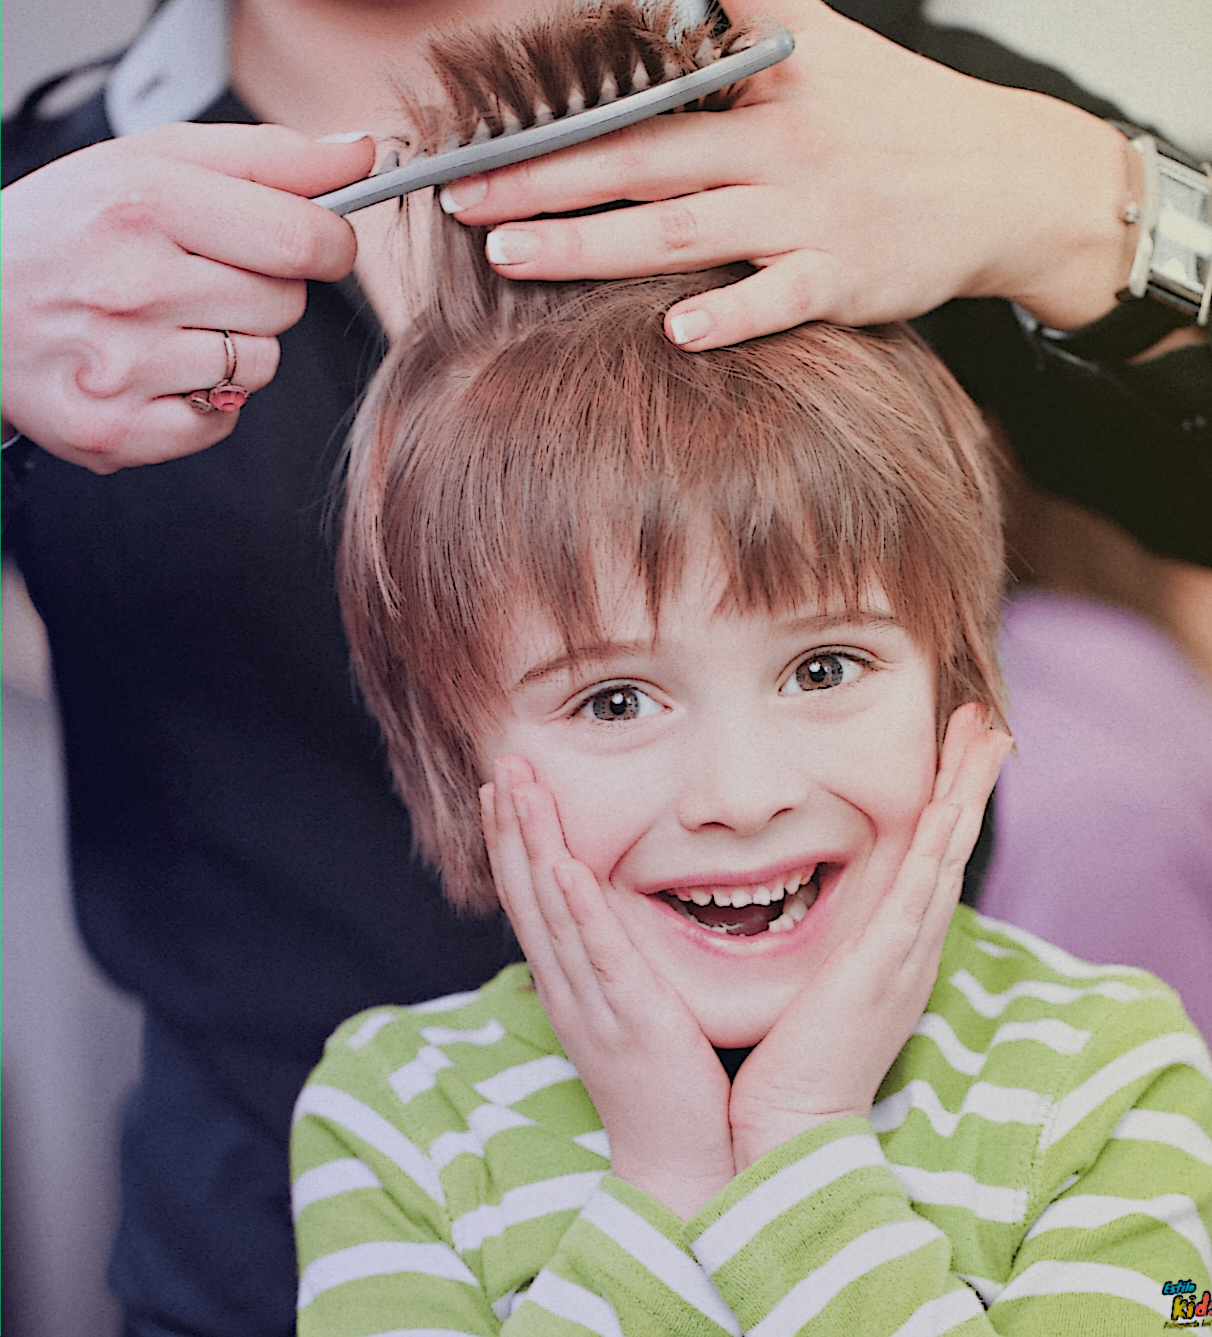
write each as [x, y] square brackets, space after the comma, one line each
[176, 68]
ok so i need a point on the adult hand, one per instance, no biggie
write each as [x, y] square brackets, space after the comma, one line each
[864, 182]
[122, 261]
[656, 1083]
[828, 1053]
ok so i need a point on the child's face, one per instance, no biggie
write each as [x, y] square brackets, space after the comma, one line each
[744, 754]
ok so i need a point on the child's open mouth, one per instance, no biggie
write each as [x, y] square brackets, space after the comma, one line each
[775, 907]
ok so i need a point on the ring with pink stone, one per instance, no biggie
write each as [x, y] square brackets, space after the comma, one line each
[225, 396]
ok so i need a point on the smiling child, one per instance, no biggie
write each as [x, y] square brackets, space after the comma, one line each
[686, 662]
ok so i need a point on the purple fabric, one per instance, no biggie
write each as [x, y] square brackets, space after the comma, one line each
[1104, 818]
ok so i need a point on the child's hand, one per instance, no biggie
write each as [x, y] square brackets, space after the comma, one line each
[655, 1081]
[828, 1053]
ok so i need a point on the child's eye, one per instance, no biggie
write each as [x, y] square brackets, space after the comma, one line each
[619, 703]
[822, 670]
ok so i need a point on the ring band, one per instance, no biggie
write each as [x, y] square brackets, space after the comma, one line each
[225, 396]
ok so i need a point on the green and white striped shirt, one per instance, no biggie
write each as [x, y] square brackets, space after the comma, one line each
[1039, 1161]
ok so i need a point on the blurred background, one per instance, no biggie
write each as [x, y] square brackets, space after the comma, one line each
[70, 1040]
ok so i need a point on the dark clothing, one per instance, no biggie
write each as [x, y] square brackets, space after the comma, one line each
[240, 862]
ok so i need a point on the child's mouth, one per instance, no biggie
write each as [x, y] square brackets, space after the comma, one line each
[776, 907]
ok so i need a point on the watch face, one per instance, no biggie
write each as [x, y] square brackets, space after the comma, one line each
[1182, 240]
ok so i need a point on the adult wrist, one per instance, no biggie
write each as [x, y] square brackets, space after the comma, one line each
[1168, 292]
[1074, 177]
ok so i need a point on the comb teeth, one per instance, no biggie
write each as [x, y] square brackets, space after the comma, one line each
[497, 83]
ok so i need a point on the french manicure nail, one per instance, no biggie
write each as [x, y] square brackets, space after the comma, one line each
[460, 195]
[348, 137]
[687, 326]
[512, 248]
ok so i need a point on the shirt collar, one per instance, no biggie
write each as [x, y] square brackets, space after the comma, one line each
[175, 70]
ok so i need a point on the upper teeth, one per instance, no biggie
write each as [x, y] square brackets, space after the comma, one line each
[739, 897]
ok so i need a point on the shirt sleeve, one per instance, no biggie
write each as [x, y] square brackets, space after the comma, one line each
[821, 1236]
[378, 1253]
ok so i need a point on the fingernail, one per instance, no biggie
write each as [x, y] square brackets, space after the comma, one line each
[463, 194]
[512, 248]
[349, 137]
[687, 326]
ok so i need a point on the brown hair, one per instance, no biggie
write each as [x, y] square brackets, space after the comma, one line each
[524, 428]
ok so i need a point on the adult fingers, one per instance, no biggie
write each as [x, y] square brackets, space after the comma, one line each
[186, 360]
[216, 297]
[785, 292]
[226, 218]
[256, 361]
[654, 160]
[107, 435]
[269, 154]
[110, 254]
[670, 236]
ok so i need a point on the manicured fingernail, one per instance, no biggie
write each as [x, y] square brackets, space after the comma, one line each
[349, 137]
[687, 326]
[459, 195]
[512, 248]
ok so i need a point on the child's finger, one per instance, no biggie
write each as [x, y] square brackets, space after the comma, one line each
[610, 951]
[966, 723]
[970, 792]
[517, 769]
[598, 958]
[488, 825]
[928, 884]
[512, 871]
[964, 808]
[547, 849]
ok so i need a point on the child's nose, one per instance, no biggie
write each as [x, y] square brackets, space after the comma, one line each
[736, 775]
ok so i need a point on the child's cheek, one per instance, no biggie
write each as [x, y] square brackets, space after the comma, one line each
[602, 814]
[886, 770]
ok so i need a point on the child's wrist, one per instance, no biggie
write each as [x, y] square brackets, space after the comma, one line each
[684, 1194]
[754, 1139]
